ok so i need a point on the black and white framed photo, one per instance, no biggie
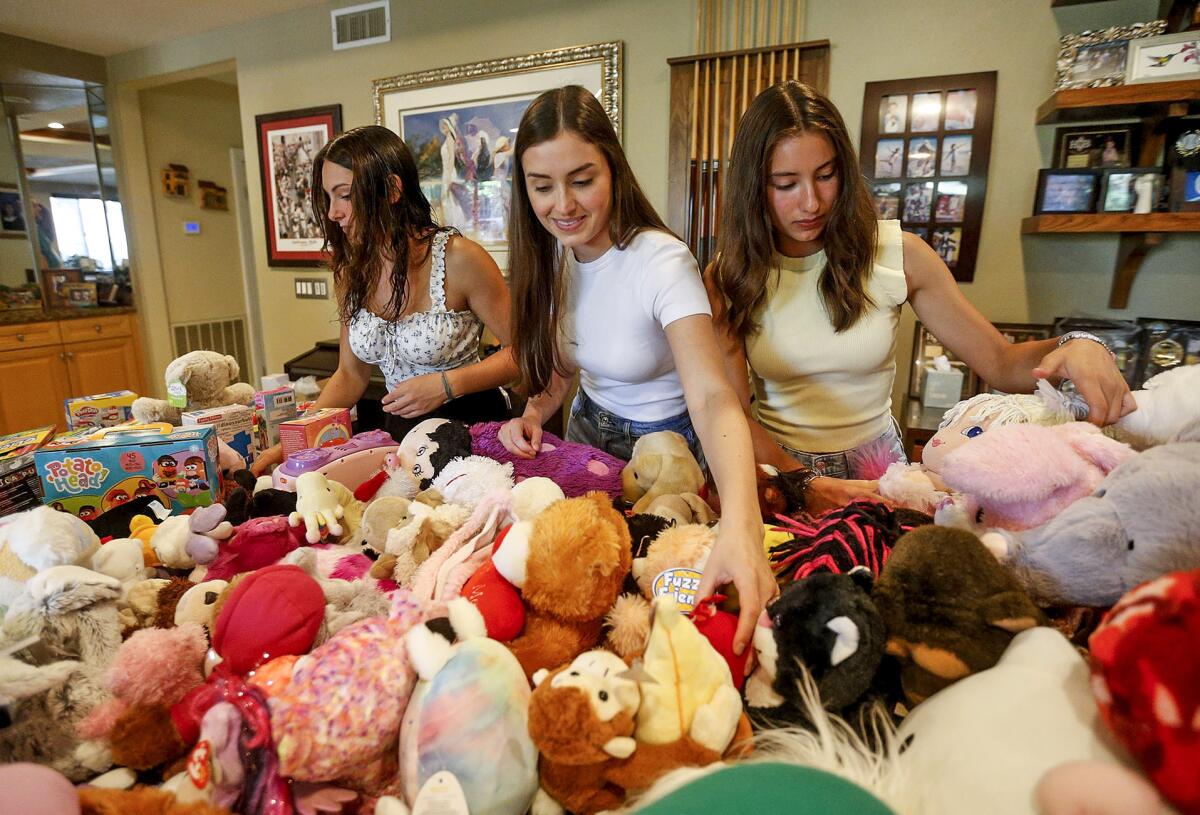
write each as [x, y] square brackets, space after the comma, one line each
[1095, 146]
[1066, 191]
[1133, 189]
[288, 142]
[1096, 59]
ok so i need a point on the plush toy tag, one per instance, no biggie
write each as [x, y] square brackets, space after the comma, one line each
[441, 795]
[199, 769]
[160, 512]
[176, 394]
[680, 584]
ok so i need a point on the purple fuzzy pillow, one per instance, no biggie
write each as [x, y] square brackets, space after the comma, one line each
[576, 468]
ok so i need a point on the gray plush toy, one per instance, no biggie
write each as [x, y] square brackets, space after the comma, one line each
[1141, 523]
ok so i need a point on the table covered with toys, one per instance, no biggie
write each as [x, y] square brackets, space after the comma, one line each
[430, 624]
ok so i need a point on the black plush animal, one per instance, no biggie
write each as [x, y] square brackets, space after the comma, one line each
[825, 624]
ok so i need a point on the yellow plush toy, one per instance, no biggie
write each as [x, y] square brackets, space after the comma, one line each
[661, 464]
[317, 507]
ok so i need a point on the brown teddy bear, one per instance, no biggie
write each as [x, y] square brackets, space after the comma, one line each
[569, 564]
[209, 380]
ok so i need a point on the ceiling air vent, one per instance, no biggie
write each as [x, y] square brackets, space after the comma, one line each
[365, 24]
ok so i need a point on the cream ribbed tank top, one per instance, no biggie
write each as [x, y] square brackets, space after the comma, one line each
[816, 390]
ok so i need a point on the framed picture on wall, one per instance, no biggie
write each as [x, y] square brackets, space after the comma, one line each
[930, 140]
[288, 142]
[1096, 59]
[461, 123]
[12, 213]
[1164, 59]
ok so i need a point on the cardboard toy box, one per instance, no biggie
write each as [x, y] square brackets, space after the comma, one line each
[234, 425]
[325, 428]
[20, 487]
[274, 407]
[101, 410]
[88, 472]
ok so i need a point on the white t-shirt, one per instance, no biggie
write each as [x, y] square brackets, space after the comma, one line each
[617, 308]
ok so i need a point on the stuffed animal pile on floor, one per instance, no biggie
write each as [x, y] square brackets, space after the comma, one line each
[465, 629]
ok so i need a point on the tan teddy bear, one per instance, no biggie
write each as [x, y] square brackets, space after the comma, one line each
[210, 380]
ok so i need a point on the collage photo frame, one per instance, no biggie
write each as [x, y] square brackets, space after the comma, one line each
[925, 149]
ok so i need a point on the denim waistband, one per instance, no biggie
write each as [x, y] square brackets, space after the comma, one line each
[607, 420]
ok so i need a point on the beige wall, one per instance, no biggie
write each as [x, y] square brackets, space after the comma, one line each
[23, 60]
[195, 123]
[286, 62]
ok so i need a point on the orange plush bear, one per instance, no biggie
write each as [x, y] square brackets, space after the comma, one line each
[569, 564]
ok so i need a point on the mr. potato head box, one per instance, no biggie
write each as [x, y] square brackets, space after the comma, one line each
[89, 472]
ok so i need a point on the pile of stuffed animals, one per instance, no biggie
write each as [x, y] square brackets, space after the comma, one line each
[1014, 631]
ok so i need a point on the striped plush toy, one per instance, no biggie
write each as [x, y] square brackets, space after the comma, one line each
[861, 533]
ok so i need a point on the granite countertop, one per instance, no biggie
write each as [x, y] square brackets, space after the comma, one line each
[14, 316]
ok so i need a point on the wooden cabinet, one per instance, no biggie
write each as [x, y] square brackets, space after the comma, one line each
[42, 364]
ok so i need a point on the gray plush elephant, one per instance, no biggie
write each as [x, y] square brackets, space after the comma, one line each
[1142, 522]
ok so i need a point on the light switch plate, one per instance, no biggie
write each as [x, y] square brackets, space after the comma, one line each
[312, 288]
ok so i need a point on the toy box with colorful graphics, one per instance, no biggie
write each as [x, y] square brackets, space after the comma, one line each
[101, 410]
[274, 407]
[234, 425]
[20, 488]
[324, 428]
[88, 472]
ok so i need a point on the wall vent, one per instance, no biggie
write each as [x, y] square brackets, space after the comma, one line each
[365, 24]
[223, 336]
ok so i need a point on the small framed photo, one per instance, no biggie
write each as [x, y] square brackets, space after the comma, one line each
[893, 113]
[887, 201]
[956, 155]
[889, 158]
[1165, 58]
[79, 295]
[1066, 191]
[926, 112]
[12, 213]
[922, 156]
[951, 201]
[1096, 146]
[918, 200]
[1182, 144]
[1096, 59]
[946, 241]
[1134, 189]
[1185, 190]
[960, 110]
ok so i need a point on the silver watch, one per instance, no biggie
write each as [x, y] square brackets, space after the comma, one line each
[1083, 335]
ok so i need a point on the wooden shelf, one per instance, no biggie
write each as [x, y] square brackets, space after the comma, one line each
[1177, 98]
[1112, 222]
[1139, 235]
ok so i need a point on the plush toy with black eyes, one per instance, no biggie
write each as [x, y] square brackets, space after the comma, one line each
[430, 446]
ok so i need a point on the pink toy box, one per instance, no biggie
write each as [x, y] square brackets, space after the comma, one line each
[325, 428]
[349, 464]
[88, 472]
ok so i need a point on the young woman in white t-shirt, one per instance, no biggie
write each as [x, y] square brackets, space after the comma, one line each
[600, 286]
[807, 288]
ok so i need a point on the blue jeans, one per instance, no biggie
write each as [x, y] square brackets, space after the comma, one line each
[615, 435]
[865, 462]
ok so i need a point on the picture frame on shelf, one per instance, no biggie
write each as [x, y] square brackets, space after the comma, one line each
[1164, 58]
[932, 137]
[1066, 191]
[1185, 190]
[1097, 59]
[1122, 189]
[53, 283]
[1095, 146]
[79, 295]
[1182, 144]
[460, 123]
[12, 213]
[288, 141]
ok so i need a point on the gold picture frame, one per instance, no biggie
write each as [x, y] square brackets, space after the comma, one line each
[460, 124]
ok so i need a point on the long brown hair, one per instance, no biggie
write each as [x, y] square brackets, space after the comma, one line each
[535, 258]
[746, 245]
[382, 228]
